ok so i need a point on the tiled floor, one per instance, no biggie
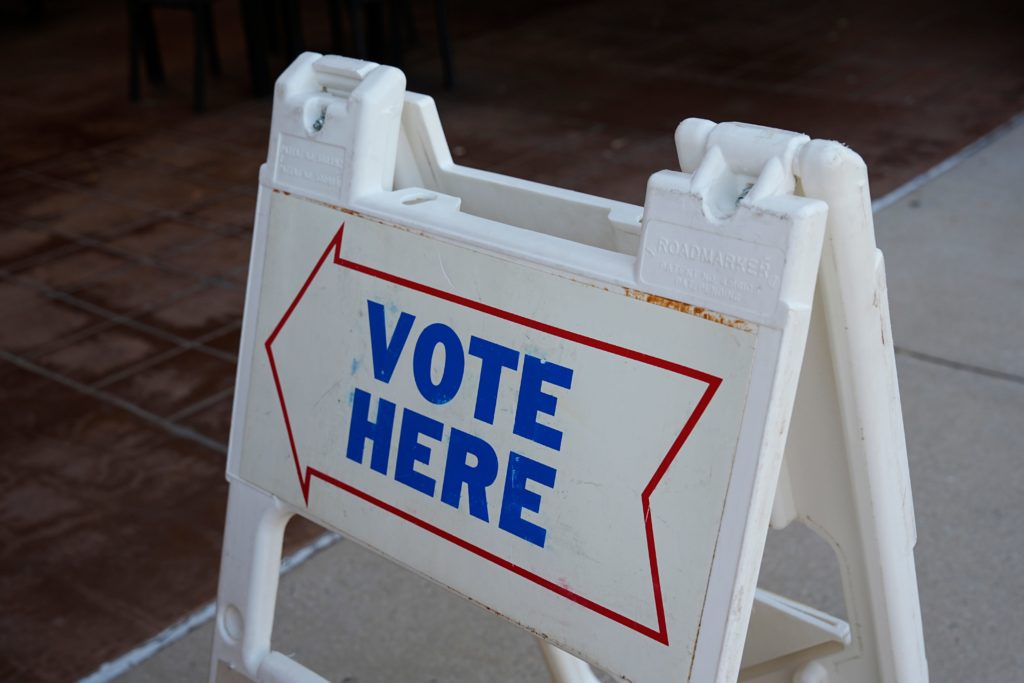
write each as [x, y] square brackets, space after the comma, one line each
[124, 233]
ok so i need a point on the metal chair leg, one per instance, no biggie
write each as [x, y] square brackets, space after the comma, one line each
[444, 43]
[199, 68]
[134, 52]
[150, 44]
[210, 36]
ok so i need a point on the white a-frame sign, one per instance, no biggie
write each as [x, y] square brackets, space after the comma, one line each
[571, 410]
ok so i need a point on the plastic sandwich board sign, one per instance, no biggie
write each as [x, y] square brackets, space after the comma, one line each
[567, 409]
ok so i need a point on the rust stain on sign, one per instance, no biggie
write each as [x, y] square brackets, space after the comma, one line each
[690, 309]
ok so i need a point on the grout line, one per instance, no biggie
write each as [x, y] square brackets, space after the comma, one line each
[140, 366]
[77, 241]
[957, 365]
[943, 167]
[197, 344]
[109, 322]
[113, 197]
[61, 343]
[134, 260]
[27, 262]
[103, 195]
[118, 318]
[165, 169]
[196, 172]
[140, 326]
[138, 260]
[202, 404]
[153, 418]
[221, 229]
[323, 542]
[114, 668]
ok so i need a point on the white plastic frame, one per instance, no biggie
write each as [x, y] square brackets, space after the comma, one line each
[418, 159]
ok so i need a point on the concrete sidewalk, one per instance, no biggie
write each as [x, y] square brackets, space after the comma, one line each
[954, 250]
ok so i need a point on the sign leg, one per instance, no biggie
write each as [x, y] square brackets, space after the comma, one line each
[845, 470]
[246, 596]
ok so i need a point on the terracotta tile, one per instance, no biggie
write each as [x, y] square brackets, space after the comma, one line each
[236, 171]
[614, 167]
[214, 421]
[100, 492]
[18, 190]
[44, 201]
[138, 121]
[32, 320]
[105, 352]
[299, 533]
[176, 383]
[234, 210]
[19, 244]
[37, 505]
[49, 608]
[244, 131]
[82, 168]
[14, 298]
[200, 313]
[215, 258]
[159, 238]
[81, 213]
[133, 290]
[11, 670]
[149, 185]
[186, 155]
[177, 153]
[227, 342]
[69, 272]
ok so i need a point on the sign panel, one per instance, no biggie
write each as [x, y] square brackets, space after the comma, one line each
[553, 446]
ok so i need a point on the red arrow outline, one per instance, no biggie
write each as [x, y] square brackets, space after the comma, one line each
[661, 634]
